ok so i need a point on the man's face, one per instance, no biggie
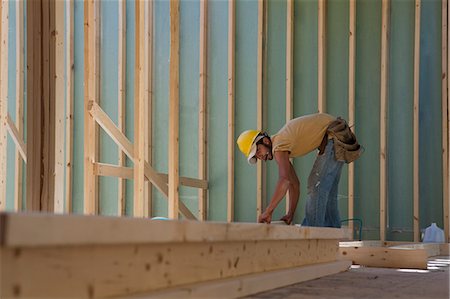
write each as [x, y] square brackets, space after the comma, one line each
[263, 151]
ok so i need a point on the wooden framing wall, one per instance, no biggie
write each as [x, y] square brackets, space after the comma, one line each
[45, 154]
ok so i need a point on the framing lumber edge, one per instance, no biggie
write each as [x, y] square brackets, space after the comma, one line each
[289, 70]
[231, 107]
[36, 229]
[321, 64]
[202, 106]
[3, 98]
[416, 121]
[351, 103]
[383, 114]
[174, 107]
[20, 52]
[121, 70]
[245, 285]
[445, 117]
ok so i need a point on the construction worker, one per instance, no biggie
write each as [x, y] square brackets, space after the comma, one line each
[335, 143]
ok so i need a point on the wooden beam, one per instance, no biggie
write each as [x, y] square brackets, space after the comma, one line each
[231, 107]
[246, 285]
[416, 122]
[448, 132]
[383, 114]
[445, 128]
[321, 67]
[103, 169]
[202, 110]
[69, 103]
[385, 257]
[148, 101]
[289, 70]
[34, 104]
[139, 112]
[20, 52]
[17, 138]
[174, 109]
[121, 187]
[351, 103]
[260, 105]
[3, 99]
[59, 113]
[90, 96]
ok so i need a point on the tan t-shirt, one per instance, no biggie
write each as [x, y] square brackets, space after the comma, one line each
[301, 135]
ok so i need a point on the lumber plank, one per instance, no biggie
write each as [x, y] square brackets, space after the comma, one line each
[202, 109]
[385, 257]
[432, 249]
[34, 103]
[321, 63]
[231, 108]
[289, 71]
[383, 114]
[59, 109]
[90, 96]
[139, 113]
[3, 99]
[251, 284]
[416, 121]
[351, 104]
[174, 109]
[69, 103]
[105, 271]
[35, 229]
[121, 70]
[20, 52]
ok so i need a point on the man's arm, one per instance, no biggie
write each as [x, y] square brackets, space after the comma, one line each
[287, 180]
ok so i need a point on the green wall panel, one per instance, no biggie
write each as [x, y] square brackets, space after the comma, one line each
[367, 120]
[400, 122]
[217, 98]
[275, 114]
[189, 86]
[305, 84]
[245, 114]
[430, 116]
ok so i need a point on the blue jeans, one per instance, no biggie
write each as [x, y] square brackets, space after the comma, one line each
[322, 203]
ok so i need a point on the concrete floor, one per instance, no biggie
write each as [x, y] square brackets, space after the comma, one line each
[364, 282]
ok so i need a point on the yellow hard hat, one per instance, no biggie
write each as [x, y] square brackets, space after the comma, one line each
[247, 144]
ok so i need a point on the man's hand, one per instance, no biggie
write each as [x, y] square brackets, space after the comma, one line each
[287, 218]
[265, 217]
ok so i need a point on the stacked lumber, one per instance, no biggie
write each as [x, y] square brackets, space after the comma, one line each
[55, 256]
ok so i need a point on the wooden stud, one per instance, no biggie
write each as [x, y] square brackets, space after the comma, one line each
[321, 67]
[259, 105]
[59, 90]
[3, 99]
[148, 71]
[34, 104]
[139, 113]
[445, 153]
[351, 104]
[121, 187]
[416, 121]
[383, 115]
[174, 109]
[231, 95]
[289, 70]
[20, 51]
[90, 93]
[202, 114]
[69, 103]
